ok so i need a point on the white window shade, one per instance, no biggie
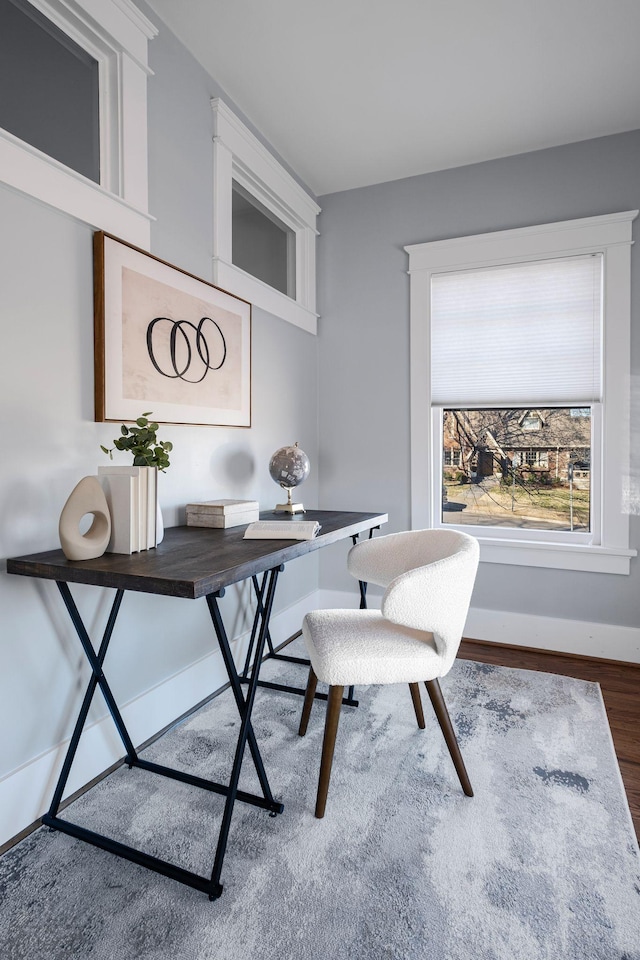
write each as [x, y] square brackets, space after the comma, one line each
[518, 334]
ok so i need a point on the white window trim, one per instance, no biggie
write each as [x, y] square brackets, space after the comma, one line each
[116, 34]
[238, 155]
[610, 235]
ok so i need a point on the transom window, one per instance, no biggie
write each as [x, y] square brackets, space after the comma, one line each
[264, 231]
[73, 109]
[50, 94]
[262, 244]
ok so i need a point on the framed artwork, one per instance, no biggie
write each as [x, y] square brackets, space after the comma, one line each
[167, 342]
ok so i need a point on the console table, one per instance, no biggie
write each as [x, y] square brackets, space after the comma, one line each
[191, 563]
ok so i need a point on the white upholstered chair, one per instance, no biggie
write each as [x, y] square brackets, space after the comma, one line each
[428, 576]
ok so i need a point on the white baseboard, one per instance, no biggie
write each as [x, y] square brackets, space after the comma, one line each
[606, 640]
[26, 792]
[528, 630]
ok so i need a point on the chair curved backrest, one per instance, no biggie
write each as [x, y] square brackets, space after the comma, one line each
[428, 576]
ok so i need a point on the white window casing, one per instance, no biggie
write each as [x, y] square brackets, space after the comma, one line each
[606, 548]
[116, 34]
[239, 156]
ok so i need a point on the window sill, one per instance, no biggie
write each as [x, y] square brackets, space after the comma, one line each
[557, 556]
[260, 294]
[28, 170]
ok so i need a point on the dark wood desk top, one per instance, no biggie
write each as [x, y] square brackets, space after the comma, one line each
[192, 562]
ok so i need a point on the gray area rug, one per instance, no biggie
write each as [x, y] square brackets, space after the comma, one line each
[541, 863]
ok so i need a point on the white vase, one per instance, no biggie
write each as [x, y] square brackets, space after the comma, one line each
[159, 524]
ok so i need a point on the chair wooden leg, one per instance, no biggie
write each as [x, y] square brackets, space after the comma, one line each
[417, 703]
[330, 730]
[312, 683]
[440, 707]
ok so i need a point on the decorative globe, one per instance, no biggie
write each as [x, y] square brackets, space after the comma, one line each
[289, 466]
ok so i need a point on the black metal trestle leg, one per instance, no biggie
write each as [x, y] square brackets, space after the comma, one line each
[97, 679]
[245, 706]
[212, 885]
[349, 700]
[272, 654]
[259, 590]
[241, 701]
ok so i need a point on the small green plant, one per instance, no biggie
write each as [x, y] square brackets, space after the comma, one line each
[142, 442]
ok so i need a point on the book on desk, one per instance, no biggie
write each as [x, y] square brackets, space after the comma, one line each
[282, 530]
[131, 494]
[222, 513]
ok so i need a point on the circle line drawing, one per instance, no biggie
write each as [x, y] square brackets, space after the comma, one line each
[197, 349]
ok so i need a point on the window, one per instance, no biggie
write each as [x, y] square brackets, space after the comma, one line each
[503, 483]
[73, 117]
[262, 244]
[534, 458]
[49, 89]
[523, 336]
[452, 458]
[264, 225]
[531, 423]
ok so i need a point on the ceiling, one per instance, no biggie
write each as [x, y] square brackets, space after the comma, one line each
[354, 92]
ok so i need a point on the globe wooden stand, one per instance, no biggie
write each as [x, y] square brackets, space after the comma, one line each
[289, 506]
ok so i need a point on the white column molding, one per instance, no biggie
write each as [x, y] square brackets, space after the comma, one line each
[222, 200]
[133, 149]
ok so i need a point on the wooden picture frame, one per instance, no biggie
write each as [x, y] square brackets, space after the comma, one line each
[167, 342]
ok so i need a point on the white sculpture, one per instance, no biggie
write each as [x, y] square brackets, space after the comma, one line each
[87, 497]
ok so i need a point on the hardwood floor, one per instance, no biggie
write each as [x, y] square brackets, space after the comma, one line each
[620, 684]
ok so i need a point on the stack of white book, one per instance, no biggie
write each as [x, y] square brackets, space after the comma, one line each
[132, 496]
[222, 513]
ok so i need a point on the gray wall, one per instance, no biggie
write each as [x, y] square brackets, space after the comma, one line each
[49, 438]
[364, 339]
